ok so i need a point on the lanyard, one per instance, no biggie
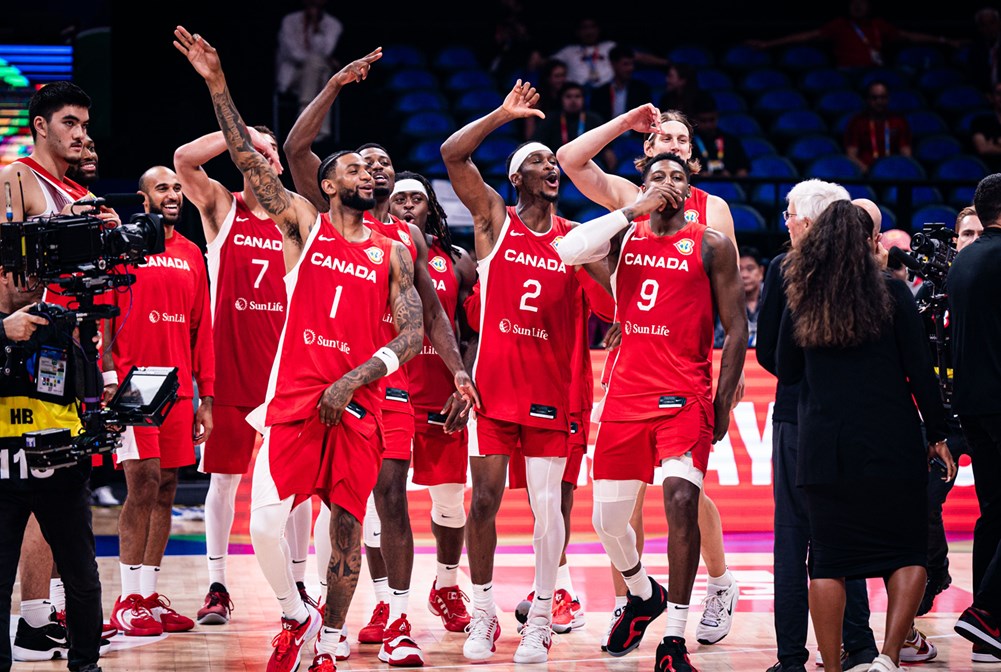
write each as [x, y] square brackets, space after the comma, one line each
[564, 131]
[886, 138]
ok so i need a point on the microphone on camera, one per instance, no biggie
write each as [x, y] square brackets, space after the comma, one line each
[113, 200]
[901, 257]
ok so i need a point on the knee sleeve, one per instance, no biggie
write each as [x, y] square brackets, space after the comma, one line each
[447, 507]
[613, 507]
[683, 467]
[372, 526]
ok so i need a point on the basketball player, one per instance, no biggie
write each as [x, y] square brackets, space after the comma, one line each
[84, 172]
[391, 570]
[440, 449]
[668, 273]
[336, 264]
[164, 320]
[246, 273]
[527, 328]
[667, 132]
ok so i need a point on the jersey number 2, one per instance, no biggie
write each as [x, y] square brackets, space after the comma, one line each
[534, 288]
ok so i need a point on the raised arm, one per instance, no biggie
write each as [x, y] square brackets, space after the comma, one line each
[293, 214]
[483, 202]
[576, 158]
[302, 161]
[405, 305]
[719, 257]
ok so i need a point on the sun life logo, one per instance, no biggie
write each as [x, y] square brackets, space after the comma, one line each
[308, 336]
[154, 316]
[505, 326]
[241, 304]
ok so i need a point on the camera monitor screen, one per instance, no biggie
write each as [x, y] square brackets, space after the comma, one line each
[146, 394]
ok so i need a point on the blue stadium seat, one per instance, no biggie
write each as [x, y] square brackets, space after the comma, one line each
[425, 152]
[960, 197]
[767, 195]
[861, 191]
[467, 80]
[433, 169]
[919, 196]
[937, 148]
[739, 124]
[840, 124]
[412, 80]
[478, 102]
[571, 199]
[896, 168]
[834, 104]
[776, 101]
[456, 58]
[652, 78]
[824, 79]
[692, 54]
[770, 197]
[893, 78]
[811, 147]
[428, 125]
[401, 56]
[711, 79]
[932, 81]
[795, 123]
[755, 146]
[834, 167]
[764, 79]
[803, 57]
[420, 101]
[920, 57]
[729, 101]
[746, 218]
[961, 167]
[587, 214]
[960, 99]
[731, 192]
[926, 122]
[933, 214]
[889, 218]
[966, 121]
[627, 147]
[903, 101]
[494, 149]
[743, 57]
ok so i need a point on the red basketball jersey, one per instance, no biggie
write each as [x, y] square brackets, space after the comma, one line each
[581, 375]
[337, 296]
[665, 306]
[246, 270]
[431, 382]
[528, 325]
[400, 379]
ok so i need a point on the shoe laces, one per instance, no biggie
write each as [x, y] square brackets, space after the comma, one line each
[284, 639]
[138, 607]
[713, 609]
[217, 598]
[536, 635]
[381, 613]
[162, 602]
[482, 626]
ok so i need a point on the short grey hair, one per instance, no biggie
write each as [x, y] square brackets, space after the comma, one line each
[811, 197]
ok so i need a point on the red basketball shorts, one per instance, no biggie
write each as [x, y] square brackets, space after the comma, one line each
[438, 457]
[172, 442]
[231, 443]
[398, 435]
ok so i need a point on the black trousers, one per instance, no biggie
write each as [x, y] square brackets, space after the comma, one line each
[983, 440]
[792, 542]
[61, 503]
[938, 490]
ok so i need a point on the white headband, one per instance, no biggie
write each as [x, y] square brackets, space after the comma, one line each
[409, 185]
[522, 154]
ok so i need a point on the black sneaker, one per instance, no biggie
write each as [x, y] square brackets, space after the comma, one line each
[933, 587]
[850, 659]
[976, 625]
[305, 596]
[45, 643]
[781, 667]
[627, 632]
[90, 668]
[672, 656]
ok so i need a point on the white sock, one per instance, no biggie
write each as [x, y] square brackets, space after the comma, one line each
[147, 580]
[677, 619]
[131, 584]
[542, 608]
[217, 569]
[36, 612]
[381, 588]
[447, 576]
[57, 594]
[639, 584]
[398, 601]
[293, 607]
[563, 580]
[299, 571]
[327, 641]
[483, 598]
[621, 600]
[220, 508]
[724, 581]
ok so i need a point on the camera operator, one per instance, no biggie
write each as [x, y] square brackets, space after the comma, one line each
[975, 306]
[59, 499]
[164, 321]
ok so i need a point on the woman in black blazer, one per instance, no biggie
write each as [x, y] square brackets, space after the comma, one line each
[854, 339]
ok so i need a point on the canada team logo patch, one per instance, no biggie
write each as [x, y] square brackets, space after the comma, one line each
[685, 246]
[556, 242]
[241, 304]
[308, 336]
[505, 326]
[405, 238]
[692, 216]
[154, 316]
[439, 264]
[375, 254]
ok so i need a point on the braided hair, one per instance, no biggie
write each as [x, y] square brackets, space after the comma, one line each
[437, 222]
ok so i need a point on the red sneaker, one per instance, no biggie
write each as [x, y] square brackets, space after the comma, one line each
[399, 649]
[289, 641]
[323, 663]
[159, 607]
[217, 608]
[133, 619]
[449, 604]
[375, 631]
[562, 614]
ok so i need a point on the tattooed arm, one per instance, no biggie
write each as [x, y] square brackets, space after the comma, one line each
[408, 316]
[292, 213]
[719, 258]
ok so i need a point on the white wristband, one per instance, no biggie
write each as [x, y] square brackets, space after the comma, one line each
[388, 358]
[110, 378]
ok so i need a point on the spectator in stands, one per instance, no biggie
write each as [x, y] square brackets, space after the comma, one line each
[552, 77]
[589, 60]
[720, 153]
[571, 121]
[752, 275]
[305, 58]
[681, 89]
[986, 132]
[623, 93]
[513, 54]
[858, 40]
[986, 50]
[876, 132]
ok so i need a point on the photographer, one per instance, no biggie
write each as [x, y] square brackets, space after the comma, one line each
[59, 499]
[975, 306]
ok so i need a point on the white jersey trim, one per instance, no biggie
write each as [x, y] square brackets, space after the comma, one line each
[213, 254]
[483, 269]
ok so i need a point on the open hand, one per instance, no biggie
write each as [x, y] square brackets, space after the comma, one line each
[644, 119]
[202, 56]
[521, 101]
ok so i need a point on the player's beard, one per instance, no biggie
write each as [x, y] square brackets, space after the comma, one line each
[352, 199]
[381, 193]
[166, 219]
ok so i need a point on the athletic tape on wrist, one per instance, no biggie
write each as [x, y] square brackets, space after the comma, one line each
[110, 378]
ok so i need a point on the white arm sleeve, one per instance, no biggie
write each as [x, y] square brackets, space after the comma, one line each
[589, 242]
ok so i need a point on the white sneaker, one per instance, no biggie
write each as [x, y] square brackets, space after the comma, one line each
[343, 649]
[611, 624]
[884, 664]
[536, 638]
[717, 615]
[918, 649]
[104, 497]
[484, 630]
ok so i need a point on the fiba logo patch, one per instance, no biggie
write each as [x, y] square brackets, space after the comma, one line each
[505, 326]
[556, 242]
[439, 264]
[685, 245]
[692, 216]
[241, 304]
[374, 254]
[308, 336]
[405, 238]
[154, 316]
